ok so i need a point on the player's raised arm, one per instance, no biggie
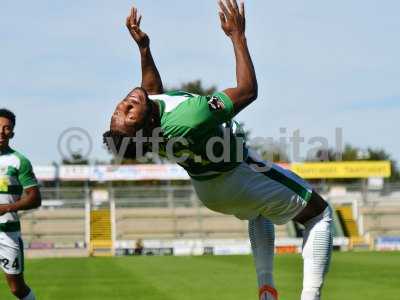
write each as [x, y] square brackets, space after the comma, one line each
[151, 80]
[233, 23]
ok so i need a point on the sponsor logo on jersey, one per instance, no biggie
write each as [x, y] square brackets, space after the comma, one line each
[215, 104]
[4, 182]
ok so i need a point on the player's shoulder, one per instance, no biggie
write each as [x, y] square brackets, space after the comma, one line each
[23, 160]
[173, 95]
[15, 159]
[172, 100]
[181, 94]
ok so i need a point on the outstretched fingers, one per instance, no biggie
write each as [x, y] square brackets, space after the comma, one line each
[133, 20]
[242, 9]
[224, 8]
[132, 17]
[230, 6]
[135, 14]
[235, 5]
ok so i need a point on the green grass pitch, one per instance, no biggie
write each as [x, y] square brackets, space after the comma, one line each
[355, 276]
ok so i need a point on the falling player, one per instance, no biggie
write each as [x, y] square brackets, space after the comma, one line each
[240, 184]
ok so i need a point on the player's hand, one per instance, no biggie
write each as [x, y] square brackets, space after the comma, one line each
[133, 25]
[233, 20]
[4, 209]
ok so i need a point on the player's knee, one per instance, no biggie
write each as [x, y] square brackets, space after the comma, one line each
[261, 232]
[322, 221]
[328, 213]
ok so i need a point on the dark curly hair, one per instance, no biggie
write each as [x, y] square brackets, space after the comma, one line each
[8, 114]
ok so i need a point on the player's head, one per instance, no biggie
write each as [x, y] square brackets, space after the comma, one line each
[132, 114]
[7, 125]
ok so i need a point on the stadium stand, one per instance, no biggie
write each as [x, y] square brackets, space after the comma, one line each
[166, 212]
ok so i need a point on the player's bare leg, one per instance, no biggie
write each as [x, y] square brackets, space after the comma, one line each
[19, 288]
[317, 245]
[316, 205]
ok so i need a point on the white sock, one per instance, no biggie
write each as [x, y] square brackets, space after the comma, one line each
[317, 249]
[30, 296]
[262, 238]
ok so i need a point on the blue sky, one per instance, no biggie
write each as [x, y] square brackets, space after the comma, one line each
[320, 65]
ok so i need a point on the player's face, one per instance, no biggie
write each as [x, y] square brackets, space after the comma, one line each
[131, 113]
[6, 132]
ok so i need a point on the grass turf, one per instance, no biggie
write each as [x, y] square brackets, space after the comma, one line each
[355, 276]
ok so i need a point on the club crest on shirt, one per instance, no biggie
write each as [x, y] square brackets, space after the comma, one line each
[215, 104]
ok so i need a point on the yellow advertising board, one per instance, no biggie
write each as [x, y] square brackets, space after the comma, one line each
[359, 169]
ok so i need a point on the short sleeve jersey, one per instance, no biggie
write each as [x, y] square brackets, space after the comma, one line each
[16, 175]
[197, 130]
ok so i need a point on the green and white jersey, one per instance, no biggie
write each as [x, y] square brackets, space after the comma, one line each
[197, 130]
[16, 175]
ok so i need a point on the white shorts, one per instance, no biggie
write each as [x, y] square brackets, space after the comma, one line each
[256, 188]
[11, 253]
